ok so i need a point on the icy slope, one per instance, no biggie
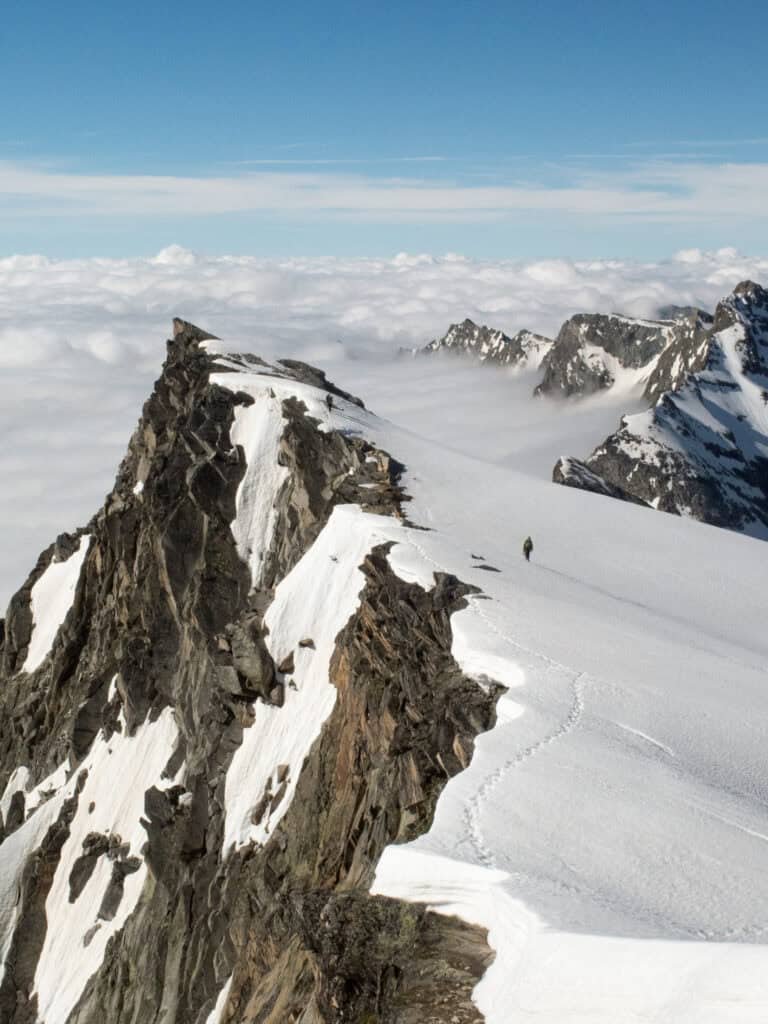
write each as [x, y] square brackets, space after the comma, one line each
[51, 600]
[611, 830]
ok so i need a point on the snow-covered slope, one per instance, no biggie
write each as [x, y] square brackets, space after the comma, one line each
[703, 449]
[609, 831]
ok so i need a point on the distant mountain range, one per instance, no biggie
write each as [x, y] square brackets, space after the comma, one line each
[486, 345]
[701, 448]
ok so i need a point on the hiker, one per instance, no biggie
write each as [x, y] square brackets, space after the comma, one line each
[527, 548]
[329, 402]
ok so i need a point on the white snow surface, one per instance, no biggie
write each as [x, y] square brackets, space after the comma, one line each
[52, 597]
[120, 770]
[611, 830]
[214, 1017]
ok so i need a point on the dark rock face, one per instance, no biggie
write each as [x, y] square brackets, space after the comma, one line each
[577, 364]
[703, 450]
[573, 473]
[486, 345]
[403, 723]
[164, 622]
[592, 348]
[686, 353]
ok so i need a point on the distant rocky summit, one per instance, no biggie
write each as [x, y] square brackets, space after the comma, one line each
[488, 345]
[702, 450]
[592, 352]
[595, 351]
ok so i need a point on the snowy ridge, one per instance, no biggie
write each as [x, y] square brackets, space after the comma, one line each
[614, 663]
[584, 734]
[586, 920]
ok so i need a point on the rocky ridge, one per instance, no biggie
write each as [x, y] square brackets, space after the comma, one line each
[594, 352]
[219, 705]
[702, 450]
[488, 345]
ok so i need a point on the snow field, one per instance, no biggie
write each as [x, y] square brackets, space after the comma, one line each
[610, 831]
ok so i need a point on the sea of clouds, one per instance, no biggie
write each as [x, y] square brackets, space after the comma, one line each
[82, 340]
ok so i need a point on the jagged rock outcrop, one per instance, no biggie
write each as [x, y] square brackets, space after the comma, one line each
[592, 351]
[703, 449]
[686, 353]
[573, 473]
[488, 345]
[208, 737]
[595, 351]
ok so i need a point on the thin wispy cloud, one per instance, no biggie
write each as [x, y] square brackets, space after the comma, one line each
[696, 143]
[663, 190]
[339, 161]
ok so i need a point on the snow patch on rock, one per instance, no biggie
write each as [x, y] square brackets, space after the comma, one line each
[314, 601]
[120, 771]
[51, 599]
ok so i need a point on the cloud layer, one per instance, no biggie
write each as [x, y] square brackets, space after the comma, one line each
[82, 340]
[668, 191]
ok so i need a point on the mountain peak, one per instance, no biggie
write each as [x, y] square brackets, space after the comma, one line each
[751, 290]
[177, 685]
[490, 345]
[701, 450]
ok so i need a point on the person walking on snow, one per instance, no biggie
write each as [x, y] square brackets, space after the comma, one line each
[329, 402]
[527, 548]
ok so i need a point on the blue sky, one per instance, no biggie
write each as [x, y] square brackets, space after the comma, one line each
[493, 129]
